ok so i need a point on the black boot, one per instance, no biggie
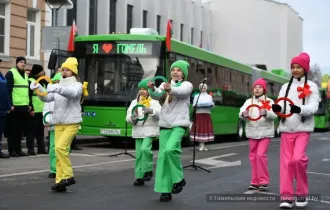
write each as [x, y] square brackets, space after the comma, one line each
[165, 197]
[51, 175]
[31, 152]
[58, 188]
[22, 154]
[13, 154]
[148, 176]
[67, 182]
[178, 187]
[3, 155]
[138, 182]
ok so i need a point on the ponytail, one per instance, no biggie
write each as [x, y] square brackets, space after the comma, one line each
[303, 118]
[286, 95]
[163, 98]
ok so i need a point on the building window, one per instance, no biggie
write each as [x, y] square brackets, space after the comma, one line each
[145, 15]
[30, 32]
[71, 14]
[112, 21]
[129, 18]
[92, 17]
[181, 32]
[2, 27]
[158, 23]
[201, 44]
[192, 36]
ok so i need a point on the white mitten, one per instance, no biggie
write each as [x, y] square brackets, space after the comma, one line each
[35, 86]
[53, 88]
[245, 113]
[148, 110]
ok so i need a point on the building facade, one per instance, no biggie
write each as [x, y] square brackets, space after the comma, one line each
[256, 32]
[21, 24]
[189, 17]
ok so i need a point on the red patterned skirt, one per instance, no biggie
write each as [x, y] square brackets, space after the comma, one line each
[204, 129]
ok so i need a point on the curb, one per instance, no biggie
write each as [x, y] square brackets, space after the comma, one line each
[80, 140]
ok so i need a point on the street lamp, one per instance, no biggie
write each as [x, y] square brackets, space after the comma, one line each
[56, 5]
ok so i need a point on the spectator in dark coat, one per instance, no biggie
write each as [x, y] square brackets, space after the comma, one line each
[4, 109]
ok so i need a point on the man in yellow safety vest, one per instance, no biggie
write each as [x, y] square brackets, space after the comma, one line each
[21, 106]
[36, 126]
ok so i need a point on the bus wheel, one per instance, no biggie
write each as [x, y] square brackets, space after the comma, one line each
[240, 131]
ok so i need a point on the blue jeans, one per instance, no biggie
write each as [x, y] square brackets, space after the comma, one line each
[2, 126]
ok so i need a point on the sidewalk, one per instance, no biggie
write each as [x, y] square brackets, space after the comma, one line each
[80, 140]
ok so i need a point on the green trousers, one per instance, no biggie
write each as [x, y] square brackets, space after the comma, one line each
[52, 155]
[144, 157]
[169, 167]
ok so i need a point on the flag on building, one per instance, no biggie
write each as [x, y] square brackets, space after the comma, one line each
[73, 34]
[169, 33]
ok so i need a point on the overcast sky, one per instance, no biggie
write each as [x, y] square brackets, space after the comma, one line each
[316, 29]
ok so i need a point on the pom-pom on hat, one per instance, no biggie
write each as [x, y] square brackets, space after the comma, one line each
[72, 64]
[183, 65]
[302, 60]
[262, 82]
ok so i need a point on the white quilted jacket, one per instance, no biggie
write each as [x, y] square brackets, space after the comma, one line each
[67, 108]
[150, 127]
[175, 114]
[262, 128]
[293, 124]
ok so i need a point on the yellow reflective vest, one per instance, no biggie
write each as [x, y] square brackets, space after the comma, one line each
[20, 94]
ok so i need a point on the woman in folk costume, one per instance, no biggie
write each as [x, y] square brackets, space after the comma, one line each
[144, 132]
[259, 133]
[173, 122]
[66, 117]
[295, 131]
[204, 126]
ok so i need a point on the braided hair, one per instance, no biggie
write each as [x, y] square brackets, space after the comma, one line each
[286, 95]
[170, 96]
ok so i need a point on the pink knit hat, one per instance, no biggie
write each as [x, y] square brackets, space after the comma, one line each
[302, 60]
[262, 82]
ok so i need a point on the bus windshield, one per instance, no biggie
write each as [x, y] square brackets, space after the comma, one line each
[115, 77]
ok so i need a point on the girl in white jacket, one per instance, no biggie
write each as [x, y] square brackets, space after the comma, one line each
[66, 118]
[259, 133]
[295, 131]
[173, 122]
[144, 132]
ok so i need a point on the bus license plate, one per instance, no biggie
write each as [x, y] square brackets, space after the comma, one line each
[110, 131]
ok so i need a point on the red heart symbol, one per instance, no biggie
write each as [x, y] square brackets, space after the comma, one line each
[107, 47]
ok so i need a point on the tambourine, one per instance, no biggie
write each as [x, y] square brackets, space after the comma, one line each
[253, 105]
[44, 119]
[37, 82]
[135, 107]
[281, 114]
[153, 80]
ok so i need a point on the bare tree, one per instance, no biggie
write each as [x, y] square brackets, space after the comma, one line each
[315, 74]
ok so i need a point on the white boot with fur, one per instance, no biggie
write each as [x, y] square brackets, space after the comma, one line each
[201, 146]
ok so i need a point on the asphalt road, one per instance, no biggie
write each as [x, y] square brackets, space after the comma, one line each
[107, 182]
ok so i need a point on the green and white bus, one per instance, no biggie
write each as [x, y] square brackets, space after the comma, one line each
[322, 116]
[113, 65]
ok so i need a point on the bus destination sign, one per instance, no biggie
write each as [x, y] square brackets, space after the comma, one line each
[120, 48]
